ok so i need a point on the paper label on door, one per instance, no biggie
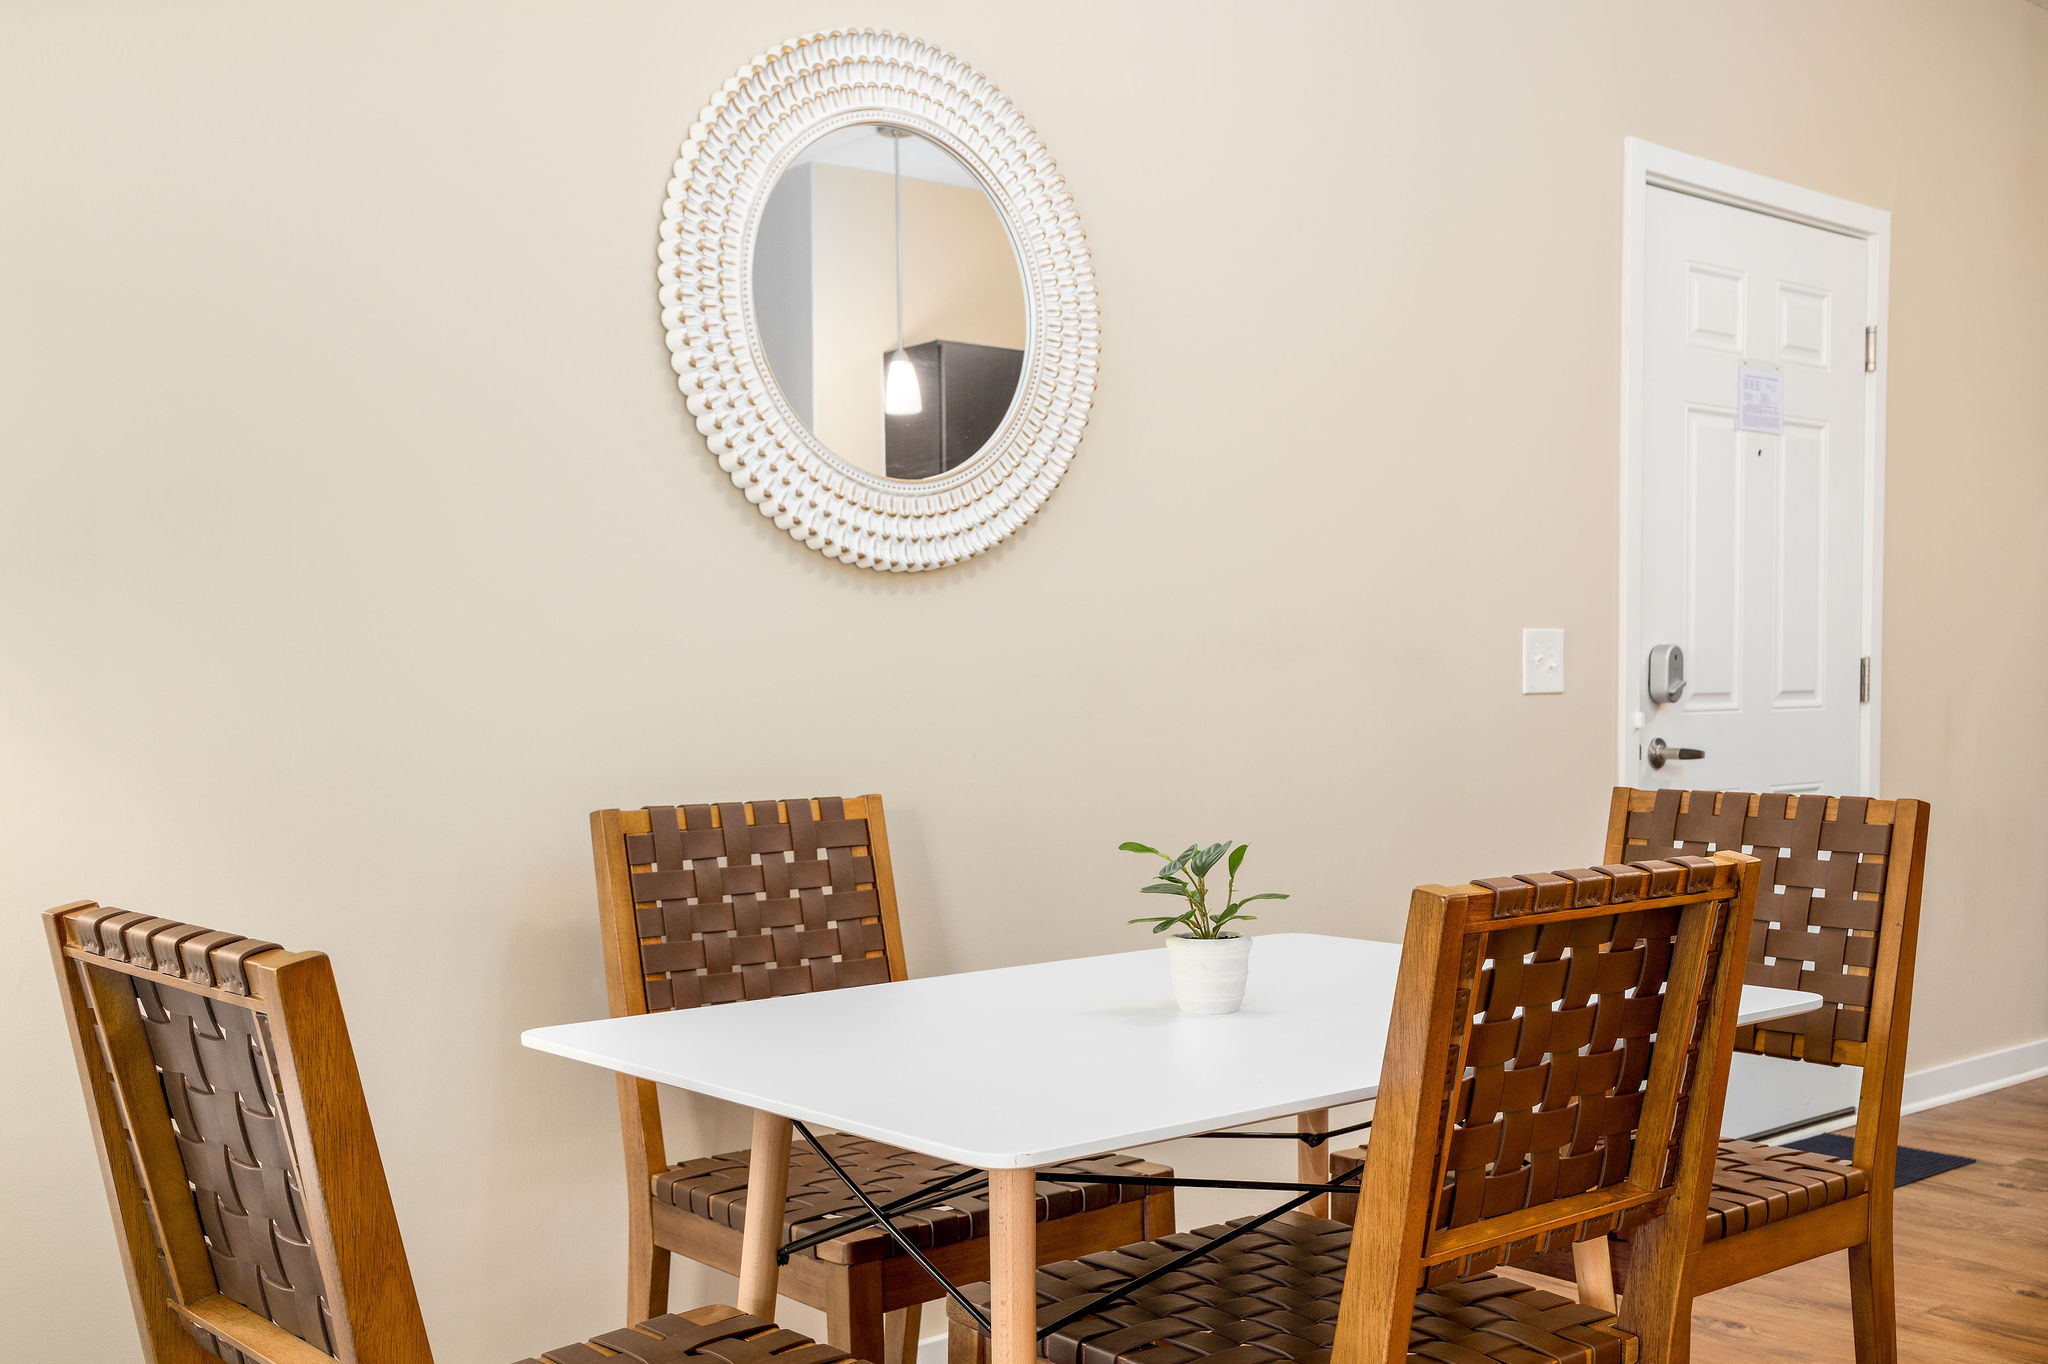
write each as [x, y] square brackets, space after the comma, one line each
[1760, 404]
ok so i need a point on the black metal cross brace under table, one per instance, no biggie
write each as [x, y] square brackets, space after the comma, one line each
[968, 1181]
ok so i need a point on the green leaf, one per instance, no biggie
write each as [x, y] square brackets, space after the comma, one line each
[1139, 848]
[1262, 895]
[1151, 919]
[1237, 857]
[1208, 857]
[1168, 924]
[1163, 888]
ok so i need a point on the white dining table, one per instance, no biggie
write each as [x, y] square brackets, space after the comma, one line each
[948, 1066]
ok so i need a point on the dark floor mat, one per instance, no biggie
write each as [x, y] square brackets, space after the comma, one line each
[1914, 1163]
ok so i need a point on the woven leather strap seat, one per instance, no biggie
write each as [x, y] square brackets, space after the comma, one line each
[1755, 1185]
[1272, 1295]
[715, 1187]
[709, 1335]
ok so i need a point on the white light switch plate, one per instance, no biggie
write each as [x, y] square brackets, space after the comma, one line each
[1542, 661]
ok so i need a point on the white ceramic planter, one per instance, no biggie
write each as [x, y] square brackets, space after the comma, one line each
[1209, 973]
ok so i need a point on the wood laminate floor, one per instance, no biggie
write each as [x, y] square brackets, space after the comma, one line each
[1972, 1256]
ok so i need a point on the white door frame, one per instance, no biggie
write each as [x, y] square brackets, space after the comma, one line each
[1649, 165]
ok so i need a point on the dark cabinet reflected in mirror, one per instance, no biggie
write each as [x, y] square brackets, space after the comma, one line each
[966, 391]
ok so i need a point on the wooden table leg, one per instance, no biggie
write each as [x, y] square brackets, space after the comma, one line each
[1013, 1266]
[767, 1190]
[1312, 1163]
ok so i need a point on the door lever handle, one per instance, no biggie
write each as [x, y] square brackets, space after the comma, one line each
[1661, 753]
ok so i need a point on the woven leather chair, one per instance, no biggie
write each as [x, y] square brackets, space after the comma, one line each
[1554, 1068]
[1843, 926]
[707, 904]
[249, 1197]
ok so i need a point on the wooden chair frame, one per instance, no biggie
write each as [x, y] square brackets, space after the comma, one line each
[856, 1297]
[1861, 1224]
[1412, 1125]
[1536, 1025]
[347, 1202]
[312, 1125]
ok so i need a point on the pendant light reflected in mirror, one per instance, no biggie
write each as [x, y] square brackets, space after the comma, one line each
[900, 394]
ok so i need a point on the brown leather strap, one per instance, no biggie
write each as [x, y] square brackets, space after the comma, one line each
[220, 1085]
[705, 1336]
[1554, 1042]
[715, 1187]
[1819, 905]
[748, 900]
[1272, 1295]
[1755, 1185]
[1557, 1054]
[179, 950]
[238, 1154]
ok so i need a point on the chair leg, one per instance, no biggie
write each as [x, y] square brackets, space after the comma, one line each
[965, 1344]
[647, 1268]
[1872, 1305]
[1156, 1216]
[899, 1332]
[1593, 1266]
[853, 1313]
[1656, 1302]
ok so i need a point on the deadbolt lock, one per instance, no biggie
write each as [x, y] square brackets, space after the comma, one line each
[1667, 673]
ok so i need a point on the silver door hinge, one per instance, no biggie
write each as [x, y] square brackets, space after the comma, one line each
[1863, 681]
[1870, 350]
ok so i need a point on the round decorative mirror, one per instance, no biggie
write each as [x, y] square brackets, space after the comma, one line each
[878, 300]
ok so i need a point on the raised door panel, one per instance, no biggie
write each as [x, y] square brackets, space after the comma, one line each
[1799, 579]
[1713, 559]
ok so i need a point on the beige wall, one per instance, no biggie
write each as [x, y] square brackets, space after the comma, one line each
[354, 541]
[960, 283]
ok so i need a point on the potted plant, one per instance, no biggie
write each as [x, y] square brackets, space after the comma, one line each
[1207, 961]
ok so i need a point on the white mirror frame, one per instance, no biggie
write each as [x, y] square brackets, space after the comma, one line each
[753, 128]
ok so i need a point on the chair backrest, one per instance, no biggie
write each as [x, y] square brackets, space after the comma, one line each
[1838, 912]
[1554, 1071]
[706, 904]
[256, 1224]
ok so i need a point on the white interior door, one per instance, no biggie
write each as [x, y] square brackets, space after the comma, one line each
[1753, 546]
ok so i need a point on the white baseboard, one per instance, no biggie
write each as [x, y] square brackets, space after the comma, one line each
[931, 1349]
[1945, 1084]
[1939, 1085]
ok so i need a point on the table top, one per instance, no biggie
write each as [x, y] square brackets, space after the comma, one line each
[1029, 1065]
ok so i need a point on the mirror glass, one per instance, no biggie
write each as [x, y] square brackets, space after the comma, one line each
[833, 251]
